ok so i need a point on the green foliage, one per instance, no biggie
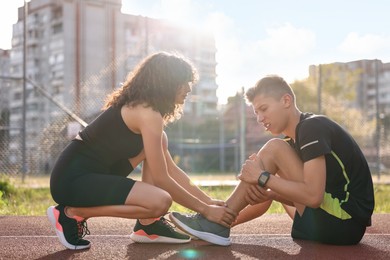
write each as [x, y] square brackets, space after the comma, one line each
[306, 95]
[382, 198]
[338, 85]
[28, 202]
[35, 201]
[216, 192]
[6, 191]
[23, 201]
[338, 99]
[6, 188]
[2, 202]
[339, 81]
[381, 193]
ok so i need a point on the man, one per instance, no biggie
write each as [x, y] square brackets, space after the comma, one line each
[318, 169]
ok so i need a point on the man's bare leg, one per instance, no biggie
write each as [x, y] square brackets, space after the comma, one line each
[277, 157]
[251, 212]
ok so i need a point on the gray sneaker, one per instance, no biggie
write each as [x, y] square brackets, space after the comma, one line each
[199, 226]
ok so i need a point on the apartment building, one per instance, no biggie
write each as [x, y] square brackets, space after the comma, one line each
[372, 87]
[78, 51]
[4, 109]
[4, 82]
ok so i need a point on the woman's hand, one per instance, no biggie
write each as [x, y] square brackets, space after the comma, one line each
[220, 214]
[217, 202]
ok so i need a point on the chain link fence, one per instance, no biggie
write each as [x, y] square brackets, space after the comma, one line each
[53, 120]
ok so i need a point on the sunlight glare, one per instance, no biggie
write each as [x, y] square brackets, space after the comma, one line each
[190, 254]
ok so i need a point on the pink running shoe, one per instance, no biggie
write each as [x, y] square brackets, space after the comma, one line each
[70, 231]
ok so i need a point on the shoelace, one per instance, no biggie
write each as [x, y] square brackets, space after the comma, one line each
[82, 229]
[167, 223]
[194, 216]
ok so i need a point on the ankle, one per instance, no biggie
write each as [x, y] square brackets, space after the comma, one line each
[69, 212]
[147, 221]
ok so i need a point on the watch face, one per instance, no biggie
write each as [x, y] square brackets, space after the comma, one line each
[263, 178]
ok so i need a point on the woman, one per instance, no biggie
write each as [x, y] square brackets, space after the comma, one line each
[90, 176]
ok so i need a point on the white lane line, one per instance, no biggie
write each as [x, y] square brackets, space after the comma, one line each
[128, 236]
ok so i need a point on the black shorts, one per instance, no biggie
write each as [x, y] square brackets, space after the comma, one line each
[80, 180]
[318, 225]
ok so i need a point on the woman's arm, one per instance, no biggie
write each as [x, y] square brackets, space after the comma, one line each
[151, 127]
[183, 179]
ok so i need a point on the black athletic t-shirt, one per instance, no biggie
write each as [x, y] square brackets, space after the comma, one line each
[349, 189]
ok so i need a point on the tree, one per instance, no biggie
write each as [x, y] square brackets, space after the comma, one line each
[306, 94]
[339, 100]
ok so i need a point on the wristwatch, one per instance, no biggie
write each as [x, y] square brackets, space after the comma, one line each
[263, 178]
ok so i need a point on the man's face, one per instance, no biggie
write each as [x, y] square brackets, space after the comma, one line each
[271, 113]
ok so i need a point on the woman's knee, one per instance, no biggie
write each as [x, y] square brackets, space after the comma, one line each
[153, 199]
[161, 204]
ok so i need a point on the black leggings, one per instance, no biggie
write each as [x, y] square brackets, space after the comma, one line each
[318, 225]
[80, 180]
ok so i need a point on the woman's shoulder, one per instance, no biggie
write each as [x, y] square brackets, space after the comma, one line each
[137, 117]
[142, 110]
[141, 113]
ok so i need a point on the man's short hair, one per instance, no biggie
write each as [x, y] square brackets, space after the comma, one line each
[270, 86]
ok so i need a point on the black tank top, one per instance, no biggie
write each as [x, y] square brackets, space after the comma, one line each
[109, 139]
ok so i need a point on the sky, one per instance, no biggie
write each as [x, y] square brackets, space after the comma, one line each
[257, 37]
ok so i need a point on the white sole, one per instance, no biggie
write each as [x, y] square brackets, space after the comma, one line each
[209, 237]
[60, 234]
[168, 240]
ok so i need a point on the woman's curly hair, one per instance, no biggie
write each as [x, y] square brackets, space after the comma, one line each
[155, 83]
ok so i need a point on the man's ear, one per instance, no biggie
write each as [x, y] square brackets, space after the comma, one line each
[287, 100]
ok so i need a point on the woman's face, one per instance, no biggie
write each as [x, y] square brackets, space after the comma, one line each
[182, 92]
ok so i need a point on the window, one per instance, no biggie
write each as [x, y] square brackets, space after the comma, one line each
[57, 28]
[17, 96]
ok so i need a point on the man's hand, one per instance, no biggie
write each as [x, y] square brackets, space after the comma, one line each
[256, 194]
[251, 169]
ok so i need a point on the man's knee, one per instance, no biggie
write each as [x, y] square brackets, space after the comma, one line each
[273, 153]
[274, 145]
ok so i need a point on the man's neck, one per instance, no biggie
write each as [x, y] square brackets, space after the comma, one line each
[292, 125]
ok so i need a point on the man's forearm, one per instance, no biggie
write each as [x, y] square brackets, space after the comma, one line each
[278, 198]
